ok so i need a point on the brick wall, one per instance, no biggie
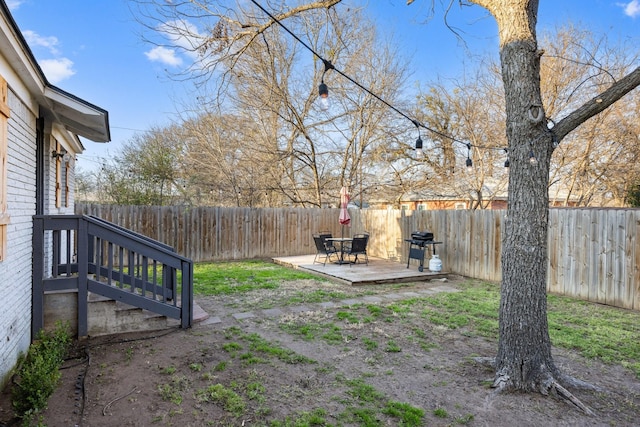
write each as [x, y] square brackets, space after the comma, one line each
[15, 270]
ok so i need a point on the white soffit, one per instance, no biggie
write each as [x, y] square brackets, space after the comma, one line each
[77, 115]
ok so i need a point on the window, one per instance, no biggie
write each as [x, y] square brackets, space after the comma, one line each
[4, 119]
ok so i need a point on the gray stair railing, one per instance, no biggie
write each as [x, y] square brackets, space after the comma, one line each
[89, 254]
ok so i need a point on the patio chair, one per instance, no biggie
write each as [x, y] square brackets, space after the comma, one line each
[323, 248]
[364, 234]
[358, 247]
[325, 235]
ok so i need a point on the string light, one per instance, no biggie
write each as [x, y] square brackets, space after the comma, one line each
[506, 162]
[419, 152]
[532, 158]
[323, 89]
[469, 161]
[323, 92]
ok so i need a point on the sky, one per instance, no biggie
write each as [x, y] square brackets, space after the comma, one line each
[94, 50]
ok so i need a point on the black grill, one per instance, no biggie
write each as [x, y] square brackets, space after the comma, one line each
[418, 244]
[420, 237]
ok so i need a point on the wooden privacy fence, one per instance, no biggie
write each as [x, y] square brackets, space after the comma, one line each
[592, 252]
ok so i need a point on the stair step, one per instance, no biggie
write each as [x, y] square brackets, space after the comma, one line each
[127, 318]
[107, 316]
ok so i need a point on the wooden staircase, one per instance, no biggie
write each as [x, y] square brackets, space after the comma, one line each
[104, 279]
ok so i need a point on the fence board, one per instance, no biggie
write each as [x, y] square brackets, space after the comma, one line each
[635, 285]
[553, 273]
[582, 258]
[626, 298]
[592, 253]
[619, 255]
[594, 265]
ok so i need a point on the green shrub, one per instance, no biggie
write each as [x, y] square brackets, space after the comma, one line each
[39, 371]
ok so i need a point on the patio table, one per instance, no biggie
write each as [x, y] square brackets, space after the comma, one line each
[341, 241]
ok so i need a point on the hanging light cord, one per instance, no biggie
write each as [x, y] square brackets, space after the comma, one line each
[329, 66]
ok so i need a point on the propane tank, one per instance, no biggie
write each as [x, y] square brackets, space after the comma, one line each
[435, 263]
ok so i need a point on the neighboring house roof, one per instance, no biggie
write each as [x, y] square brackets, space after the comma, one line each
[77, 115]
[491, 191]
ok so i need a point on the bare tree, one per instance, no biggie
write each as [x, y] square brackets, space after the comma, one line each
[467, 118]
[147, 171]
[267, 82]
[593, 163]
[86, 186]
[214, 163]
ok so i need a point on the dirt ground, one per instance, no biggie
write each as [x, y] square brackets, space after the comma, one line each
[174, 377]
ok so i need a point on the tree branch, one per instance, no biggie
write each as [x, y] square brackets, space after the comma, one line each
[321, 4]
[597, 104]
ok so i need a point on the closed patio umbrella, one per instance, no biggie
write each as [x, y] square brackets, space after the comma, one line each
[344, 218]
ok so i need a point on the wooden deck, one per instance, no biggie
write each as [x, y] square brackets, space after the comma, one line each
[377, 272]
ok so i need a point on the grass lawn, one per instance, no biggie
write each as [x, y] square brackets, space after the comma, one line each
[593, 330]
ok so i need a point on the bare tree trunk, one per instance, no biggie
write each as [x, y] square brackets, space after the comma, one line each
[524, 359]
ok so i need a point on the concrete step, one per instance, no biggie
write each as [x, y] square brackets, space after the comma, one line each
[106, 316]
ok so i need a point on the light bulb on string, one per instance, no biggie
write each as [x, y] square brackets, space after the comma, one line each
[469, 161]
[532, 158]
[323, 89]
[506, 162]
[419, 152]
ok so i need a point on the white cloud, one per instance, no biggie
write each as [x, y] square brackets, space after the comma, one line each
[57, 70]
[632, 8]
[13, 4]
[183, 34]
[34, 39]
[163, 55]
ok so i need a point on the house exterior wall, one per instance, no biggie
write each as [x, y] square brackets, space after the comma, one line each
[444, 204]
[433, 205]
[422, 205]
[15, 269]
[25, 97]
